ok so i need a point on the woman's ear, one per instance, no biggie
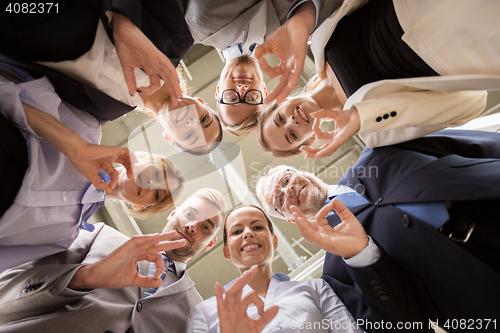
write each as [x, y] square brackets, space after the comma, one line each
[167, 138]
[311, 139]
[275, 242]
[265, 90]
[139, 207]
[226, 253]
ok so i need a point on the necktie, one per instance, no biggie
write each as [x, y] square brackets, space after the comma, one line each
[432, 213]
[169, 265]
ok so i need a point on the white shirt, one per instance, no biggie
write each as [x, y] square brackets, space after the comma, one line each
[47, 212]
[302, 304]
[100, 68]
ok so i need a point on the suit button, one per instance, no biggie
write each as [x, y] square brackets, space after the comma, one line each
[384, 298]
[108, 332]
[378, 120]
[386, 116]
[406, 221]
[393, 114]
[377, 288]
[379, 200]
[139, 306]
[374, 282]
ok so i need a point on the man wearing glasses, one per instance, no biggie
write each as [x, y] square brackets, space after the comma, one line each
[430, 207]
[240, 95]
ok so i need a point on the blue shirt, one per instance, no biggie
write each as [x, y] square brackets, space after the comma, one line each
[304, 306]
[54, 199]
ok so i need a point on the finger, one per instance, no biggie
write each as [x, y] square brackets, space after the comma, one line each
[252, 297]
[320, 217]
[171, 78]
[166, 246]
[113, 175]
[278, 89]
[327, 149]
[297, 71]
[342, 211]
[130, 80]
[99, 183]
[153, 86]
[220, 299]
[267, 317]
[146, 282]
[325, 113]
[320, 135]
[260, 52]
[160, 266]
[302, 220]
[238, 285]
[302, 231]
[310, 152]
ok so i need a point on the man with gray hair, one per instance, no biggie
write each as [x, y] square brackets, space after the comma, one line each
[431, 211]
[108, 282]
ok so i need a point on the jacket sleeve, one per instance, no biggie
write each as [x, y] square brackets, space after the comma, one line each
[161, 21]
[378, 293]
[40, 286]
[408, 113]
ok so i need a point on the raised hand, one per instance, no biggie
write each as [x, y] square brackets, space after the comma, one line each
[88, 159]
[347, 124]
[289, 45]
[347, 239]
[232, 308]
[119, 269]
[135, 50]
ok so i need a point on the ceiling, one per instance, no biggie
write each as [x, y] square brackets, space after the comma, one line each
[245, 162]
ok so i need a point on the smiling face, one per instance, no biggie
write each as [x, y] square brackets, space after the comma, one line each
[197, 221]
[249, 239]
[290, 125]
[149, 186]
[191, 125]
[240, 74]
[282, 189]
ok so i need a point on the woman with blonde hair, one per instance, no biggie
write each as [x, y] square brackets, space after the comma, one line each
[396, 62]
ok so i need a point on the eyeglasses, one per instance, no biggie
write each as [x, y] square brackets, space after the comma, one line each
[232, 97]
[279, 198]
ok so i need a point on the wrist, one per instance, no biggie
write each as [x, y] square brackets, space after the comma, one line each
[79, 280]
[307, 14]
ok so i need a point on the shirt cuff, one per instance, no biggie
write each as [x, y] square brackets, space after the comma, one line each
[317, 4]
[367, 257]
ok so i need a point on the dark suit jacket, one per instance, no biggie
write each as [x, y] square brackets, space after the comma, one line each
[421, 273]
[68, 34]
[33, 299]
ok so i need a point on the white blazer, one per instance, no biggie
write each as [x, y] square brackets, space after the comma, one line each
[394, 111]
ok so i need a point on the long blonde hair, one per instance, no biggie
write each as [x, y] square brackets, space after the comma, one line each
[312, 84]
[168, 201]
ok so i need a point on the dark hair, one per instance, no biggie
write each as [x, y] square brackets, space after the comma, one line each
[269, 223]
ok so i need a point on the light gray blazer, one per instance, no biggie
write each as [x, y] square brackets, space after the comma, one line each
[219, 23]
[34, 298]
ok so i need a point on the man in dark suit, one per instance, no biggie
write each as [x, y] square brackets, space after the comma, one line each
[104, 281]
[430, 207]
